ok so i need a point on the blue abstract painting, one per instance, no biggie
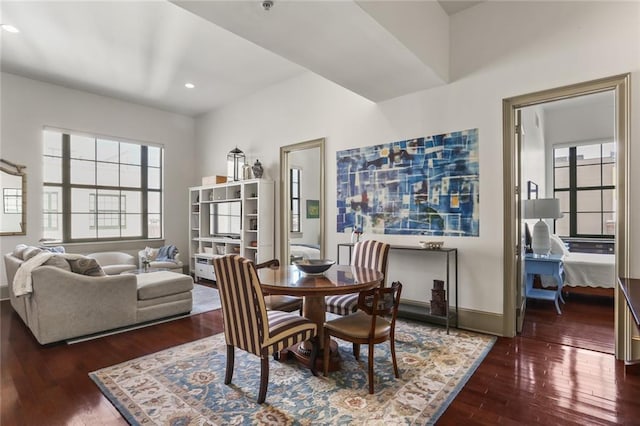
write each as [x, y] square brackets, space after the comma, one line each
[423, 186]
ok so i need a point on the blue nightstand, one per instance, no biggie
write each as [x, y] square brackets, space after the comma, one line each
[547, 265]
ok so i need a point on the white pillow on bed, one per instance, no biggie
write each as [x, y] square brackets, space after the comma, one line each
[557, 245]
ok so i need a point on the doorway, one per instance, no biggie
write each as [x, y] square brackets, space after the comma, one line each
[514, 300]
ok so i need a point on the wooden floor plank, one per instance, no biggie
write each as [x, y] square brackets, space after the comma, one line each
[540, 377]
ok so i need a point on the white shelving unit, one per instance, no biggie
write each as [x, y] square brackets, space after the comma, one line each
[234, 217]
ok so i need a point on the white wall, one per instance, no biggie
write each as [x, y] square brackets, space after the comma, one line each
[28, 105]
[499, 50]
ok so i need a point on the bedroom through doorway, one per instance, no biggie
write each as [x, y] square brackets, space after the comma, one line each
[568, 153]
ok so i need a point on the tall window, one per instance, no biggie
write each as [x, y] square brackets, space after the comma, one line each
[294, 176]
[584, 178]
[97, 188]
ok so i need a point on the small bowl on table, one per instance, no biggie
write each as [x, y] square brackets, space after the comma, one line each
[313, 266]
[431, 245]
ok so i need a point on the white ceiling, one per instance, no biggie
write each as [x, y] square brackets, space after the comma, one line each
[144, 51]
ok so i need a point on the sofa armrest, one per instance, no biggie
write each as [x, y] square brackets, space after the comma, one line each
[65, 304]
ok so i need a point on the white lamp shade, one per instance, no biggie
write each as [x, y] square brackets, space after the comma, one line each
[544, 208]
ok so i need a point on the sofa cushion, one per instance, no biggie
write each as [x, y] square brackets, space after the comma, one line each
[118, 269]
[19, 251]
[86, 266]
[53, 249]
[30, 252]
[165, 264]
[58, 262]
[162, 283]
[150, 253]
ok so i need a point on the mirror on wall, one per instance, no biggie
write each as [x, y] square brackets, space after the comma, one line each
[13, 212]
[302, 201]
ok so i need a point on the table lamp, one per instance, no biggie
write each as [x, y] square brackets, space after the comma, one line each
[543, 208]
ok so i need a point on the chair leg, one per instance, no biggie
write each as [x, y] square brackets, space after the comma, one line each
[264, 377]
[392, 343]
[356, 351]
[371, 347]
[314, 354]
[230, 358]
[327, 350]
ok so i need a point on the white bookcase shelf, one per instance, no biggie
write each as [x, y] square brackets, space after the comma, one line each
[252, 225]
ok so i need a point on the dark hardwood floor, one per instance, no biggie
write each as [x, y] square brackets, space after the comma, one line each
[533, 378]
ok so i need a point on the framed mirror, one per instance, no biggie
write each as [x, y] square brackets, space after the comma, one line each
[13, 212]
[302, 233]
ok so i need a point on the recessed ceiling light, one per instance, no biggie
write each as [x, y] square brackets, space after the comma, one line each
[189, 85]
[10, 28]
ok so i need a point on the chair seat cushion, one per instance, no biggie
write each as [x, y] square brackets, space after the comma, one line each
[287, 329]
[358, 325]
[282, 303]
[343, 304]
[162, 283]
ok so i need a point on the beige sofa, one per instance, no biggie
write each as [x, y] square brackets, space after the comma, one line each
[64, 305]
[114, 262]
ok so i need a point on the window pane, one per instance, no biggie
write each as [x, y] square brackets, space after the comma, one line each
[588, 176]
[132, 226]
[52, 213]
[108, 218]
[52, 143]
[609, 152]
[609, 223]
[562, 226]
[609, 200]
[561, 157]
[105, 230]
[81, 225]
[83, 200]
[561, 178]
[131, 202]
[589, 223]
[154, 225]
[563, 196]
[130, 176]
[588, 201]
[83, 172]
[107, 150]
[83, 147]
[153, 178]
[52, 169]
[153, 153]
[107, 174]
[153, 202]
[588, 154]
[129, 153]
[609, 174]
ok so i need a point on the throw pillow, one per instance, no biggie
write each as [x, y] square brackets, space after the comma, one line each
[86, 266]
[19, 251]
[167, 253]
[30, 252]
[150, 253]
[558, 246]
[58, 262]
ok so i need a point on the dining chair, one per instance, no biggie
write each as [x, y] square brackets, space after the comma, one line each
[368, 325]
[368, 254]
[249, 326]
[278, 302]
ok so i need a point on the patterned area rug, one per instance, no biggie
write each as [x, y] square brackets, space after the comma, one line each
[184, 385]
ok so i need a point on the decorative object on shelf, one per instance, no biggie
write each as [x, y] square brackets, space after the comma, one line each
[257, 169]
[221, 250]
[431, 245]
[438, 299]
[235, 161]
[246, 171]
[542, 208]
[253, 243]
[313, 209]
[253, 224]
[313, 266]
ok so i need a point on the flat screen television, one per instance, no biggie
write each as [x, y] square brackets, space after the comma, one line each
[226, 219]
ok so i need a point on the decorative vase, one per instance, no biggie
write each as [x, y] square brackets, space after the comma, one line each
[246, 171]
[257, 169]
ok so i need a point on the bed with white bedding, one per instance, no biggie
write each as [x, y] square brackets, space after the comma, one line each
[583, 269]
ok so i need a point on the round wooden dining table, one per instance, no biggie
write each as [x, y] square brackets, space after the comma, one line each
[339, 279]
